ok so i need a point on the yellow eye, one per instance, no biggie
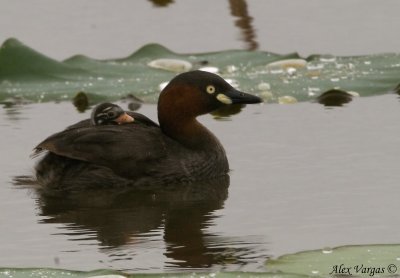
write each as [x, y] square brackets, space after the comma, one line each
[210, 89]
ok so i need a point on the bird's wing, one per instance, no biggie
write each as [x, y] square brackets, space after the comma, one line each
[120, 148]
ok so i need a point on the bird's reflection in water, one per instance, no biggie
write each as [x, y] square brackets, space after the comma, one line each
[121, 218]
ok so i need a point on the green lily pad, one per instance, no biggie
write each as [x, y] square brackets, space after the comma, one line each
[359, 261]
[28, 74]
[59, 273]
[48, 272]
[362, 260]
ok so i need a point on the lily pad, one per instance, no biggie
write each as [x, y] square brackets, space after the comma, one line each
[359, 261]
[31, 75]
[59, 273]
[362, 261]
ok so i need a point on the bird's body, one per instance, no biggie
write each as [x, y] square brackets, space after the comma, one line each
[142, 153]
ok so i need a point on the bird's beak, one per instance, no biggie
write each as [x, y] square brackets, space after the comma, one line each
[234, 96]
[124, 119]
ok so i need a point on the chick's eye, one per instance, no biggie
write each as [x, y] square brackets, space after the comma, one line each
[111, 114]
[210, 89]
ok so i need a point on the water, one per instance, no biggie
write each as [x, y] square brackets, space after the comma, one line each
[103, 29]
[303, 177]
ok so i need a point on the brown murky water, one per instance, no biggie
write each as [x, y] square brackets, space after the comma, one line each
[303, 177]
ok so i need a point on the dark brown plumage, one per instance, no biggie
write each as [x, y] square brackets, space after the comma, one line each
[142, 153]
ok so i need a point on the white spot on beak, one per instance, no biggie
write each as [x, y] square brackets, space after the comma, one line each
[224, 99]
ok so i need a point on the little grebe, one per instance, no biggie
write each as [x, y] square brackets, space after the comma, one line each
[179, 149]
[108, 113]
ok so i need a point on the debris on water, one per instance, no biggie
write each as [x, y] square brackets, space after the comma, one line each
[291, 71]
[108, 276]
[263, 86]
[335, 97]
[327, 59]
[276, 71]
[6, 82]
[267, 96]
[134, 103]
[210, 69]
[288, 63]
[397, 89]
[81, 101]
[173, 65]
[231, 68]
[312, 91]
[203, 62]
[287, 100]
[133, 106]
[233, 82]
[354, 94]
[15, 100]
[327, 250]
[313, 66]
[162, 85]
[314, 75]
[265, 91]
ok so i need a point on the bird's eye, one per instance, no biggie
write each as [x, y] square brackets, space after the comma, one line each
[111, 114]
[210, 89]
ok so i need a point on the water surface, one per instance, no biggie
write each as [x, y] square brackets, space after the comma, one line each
[104, 29]
[303, 177]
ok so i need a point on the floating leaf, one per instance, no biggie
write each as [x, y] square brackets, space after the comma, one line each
[27, 73]
[362, 260]
[58, 273]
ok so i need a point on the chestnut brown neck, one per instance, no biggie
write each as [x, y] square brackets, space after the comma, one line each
[189, 132]
[178, 107]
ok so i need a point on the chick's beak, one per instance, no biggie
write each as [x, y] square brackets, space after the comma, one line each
[124, 119]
